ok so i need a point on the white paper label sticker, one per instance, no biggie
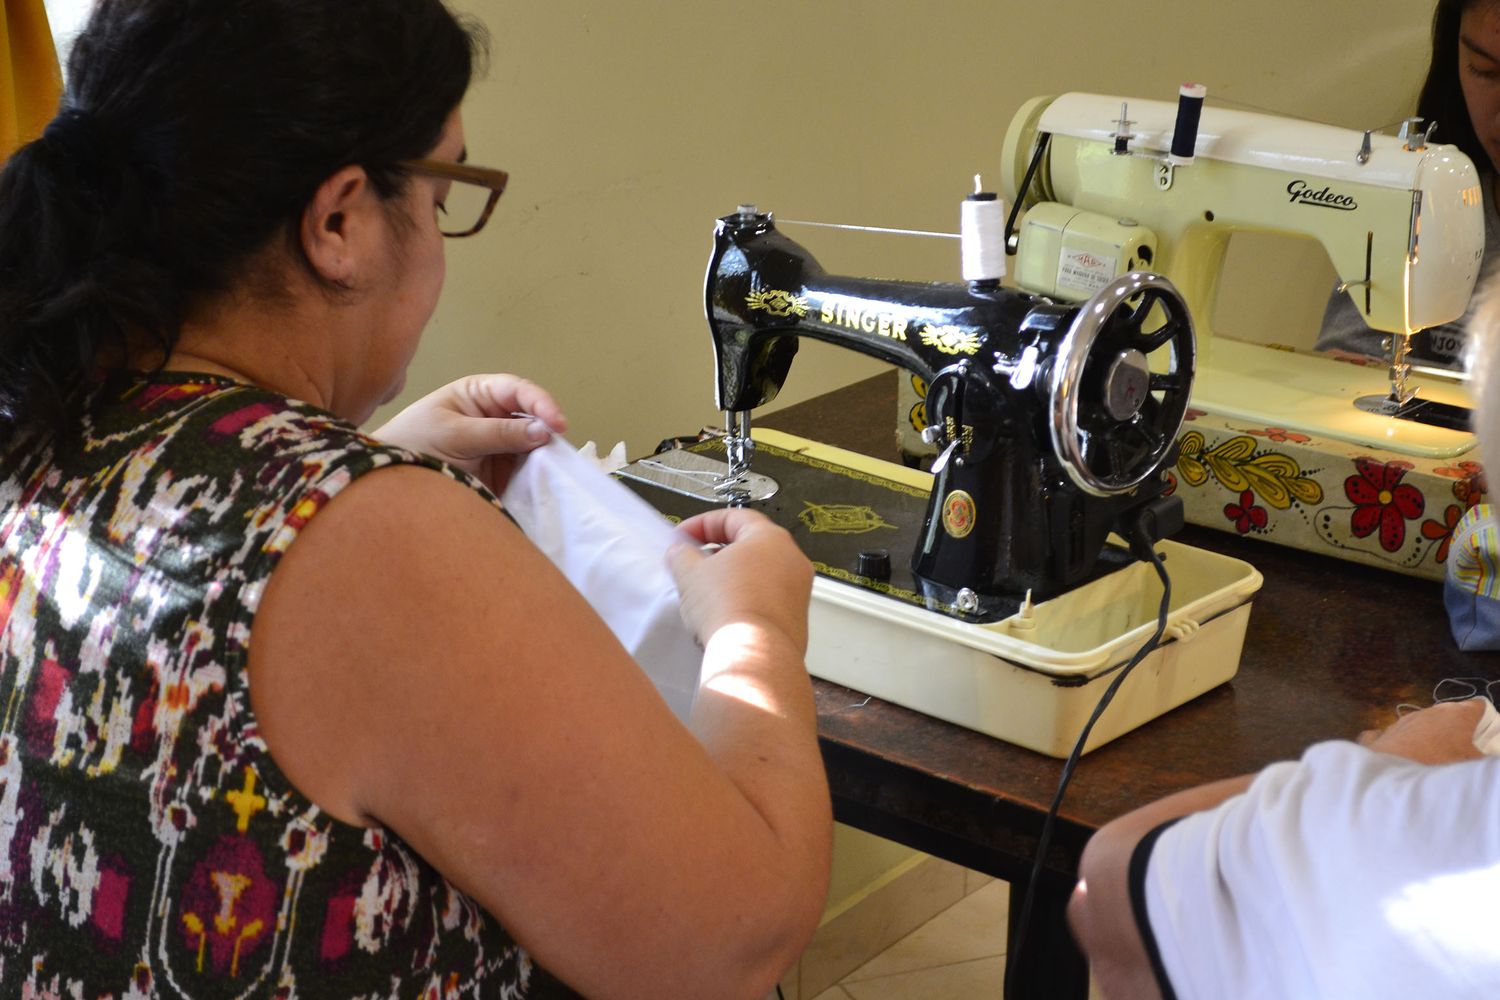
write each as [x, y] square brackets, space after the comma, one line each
[1083, 271]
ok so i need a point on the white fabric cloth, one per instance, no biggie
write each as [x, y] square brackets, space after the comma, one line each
[611, 545]
[1349, 873]
[1487, 733]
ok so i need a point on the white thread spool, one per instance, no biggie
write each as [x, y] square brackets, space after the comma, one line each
[981, 233]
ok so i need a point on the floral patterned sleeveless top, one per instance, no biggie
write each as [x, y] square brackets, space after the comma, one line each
[149, 845]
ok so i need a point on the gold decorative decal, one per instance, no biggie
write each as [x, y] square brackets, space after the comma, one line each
[950, 339]
[964, 433]
[856, 315]
[1276, 478]
[958, 514]
[880, 586]
[777, 303]
[840, 519]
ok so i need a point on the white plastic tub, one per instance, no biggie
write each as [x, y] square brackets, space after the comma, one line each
[1036, 686]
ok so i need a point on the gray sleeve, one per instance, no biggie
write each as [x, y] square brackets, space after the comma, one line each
[1345, 330]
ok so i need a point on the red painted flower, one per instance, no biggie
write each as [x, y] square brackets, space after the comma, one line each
[1469, 492]
[1471, 485]
[1463, 470]
[1281, 435]
[1192, 413]
[1443, 529]
[1246, 514]
[1382, 501]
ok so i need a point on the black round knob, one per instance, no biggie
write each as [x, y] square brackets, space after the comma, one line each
[875, 563]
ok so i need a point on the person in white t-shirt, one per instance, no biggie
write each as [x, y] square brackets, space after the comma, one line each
[1365, 869]
[1362, 870]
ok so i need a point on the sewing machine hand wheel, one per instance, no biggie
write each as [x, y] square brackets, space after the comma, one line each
[1114, 418]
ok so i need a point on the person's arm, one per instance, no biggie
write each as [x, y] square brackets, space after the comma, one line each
[1101, 912]
[417, 663]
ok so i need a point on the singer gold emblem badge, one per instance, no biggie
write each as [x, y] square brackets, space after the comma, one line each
[958, 514]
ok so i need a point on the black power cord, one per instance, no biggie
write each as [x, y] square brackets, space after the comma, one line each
[1142, 543]
[1043, 139]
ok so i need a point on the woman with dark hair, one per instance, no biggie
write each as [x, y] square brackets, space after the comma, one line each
[447, 777]
[1462, 95]
[1455, 94]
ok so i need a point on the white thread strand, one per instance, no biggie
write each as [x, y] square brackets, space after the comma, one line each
[866, 229]
[1459, 689]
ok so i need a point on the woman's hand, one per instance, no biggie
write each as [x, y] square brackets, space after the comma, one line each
[473, 424]
[758, 575]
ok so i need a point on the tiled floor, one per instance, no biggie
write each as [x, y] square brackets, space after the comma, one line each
[957, 955]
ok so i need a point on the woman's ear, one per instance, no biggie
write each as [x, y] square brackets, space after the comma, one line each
[333, 231]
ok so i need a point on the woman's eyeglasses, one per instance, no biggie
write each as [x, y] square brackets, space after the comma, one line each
[471, 196]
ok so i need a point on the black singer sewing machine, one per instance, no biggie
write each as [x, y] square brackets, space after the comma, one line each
[1051, 424]
[1054, 424]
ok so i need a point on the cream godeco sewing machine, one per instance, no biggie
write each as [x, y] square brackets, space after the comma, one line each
[988, 592]
[1401, 222]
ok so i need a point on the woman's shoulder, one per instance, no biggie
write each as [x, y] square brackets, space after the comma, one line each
[211, 412]
[206, 425]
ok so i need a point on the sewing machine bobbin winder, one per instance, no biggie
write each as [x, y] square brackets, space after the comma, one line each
[1053, 422]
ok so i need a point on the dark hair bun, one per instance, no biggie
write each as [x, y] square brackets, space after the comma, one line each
[194, 133]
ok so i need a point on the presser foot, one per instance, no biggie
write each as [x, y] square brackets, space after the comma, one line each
[701, 477]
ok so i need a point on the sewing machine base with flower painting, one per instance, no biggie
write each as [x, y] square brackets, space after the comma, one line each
[1365, 505]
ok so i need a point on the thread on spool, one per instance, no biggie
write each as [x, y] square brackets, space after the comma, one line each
[982, 235]
[1189, 113]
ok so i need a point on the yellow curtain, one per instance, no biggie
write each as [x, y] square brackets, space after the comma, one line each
[30, 83]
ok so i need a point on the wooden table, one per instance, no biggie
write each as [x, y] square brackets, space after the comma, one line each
[1321, 660]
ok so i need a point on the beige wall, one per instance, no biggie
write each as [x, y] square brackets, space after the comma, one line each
[628, 127]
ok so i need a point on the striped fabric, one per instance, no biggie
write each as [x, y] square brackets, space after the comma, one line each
[1471, 588]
